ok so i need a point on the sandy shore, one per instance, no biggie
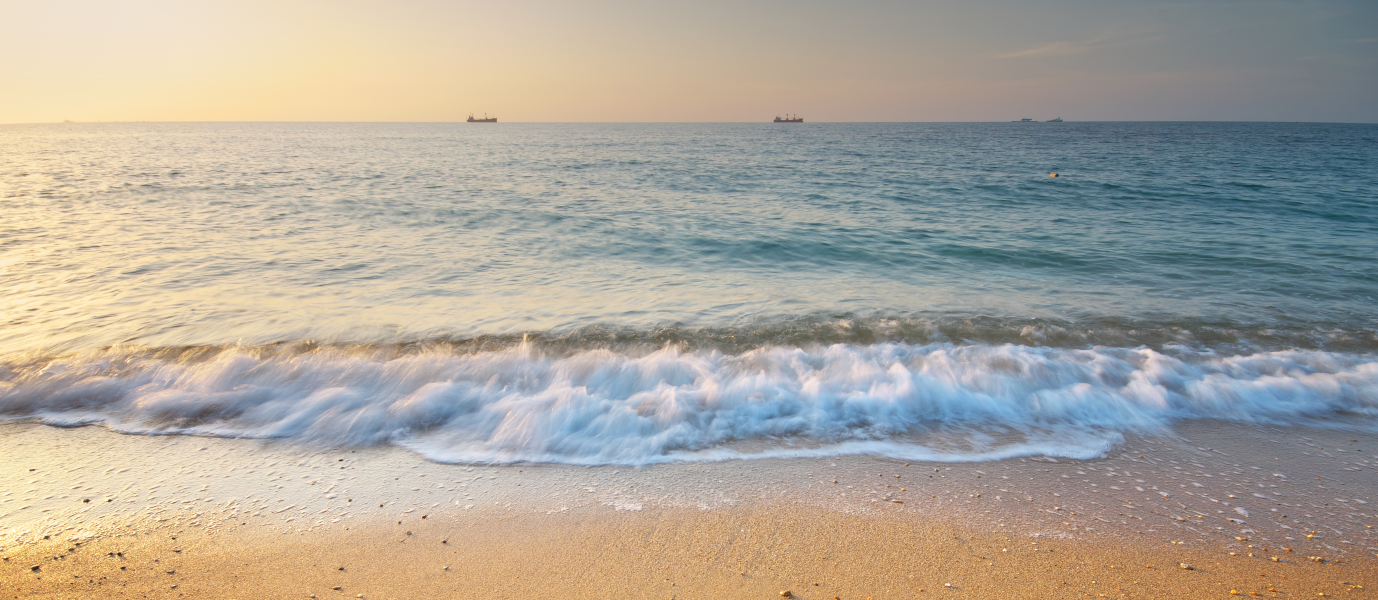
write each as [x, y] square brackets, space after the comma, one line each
[106, 515]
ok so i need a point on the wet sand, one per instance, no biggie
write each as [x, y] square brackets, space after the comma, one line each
[107, 515]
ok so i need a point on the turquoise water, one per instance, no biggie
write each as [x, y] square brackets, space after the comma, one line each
[683, 287]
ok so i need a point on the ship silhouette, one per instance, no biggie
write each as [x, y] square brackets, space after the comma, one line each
[485, 119]
[790, 119]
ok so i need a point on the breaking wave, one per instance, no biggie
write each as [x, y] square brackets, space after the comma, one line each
[628, 405]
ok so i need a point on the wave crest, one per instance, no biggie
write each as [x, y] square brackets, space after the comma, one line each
[597, 406]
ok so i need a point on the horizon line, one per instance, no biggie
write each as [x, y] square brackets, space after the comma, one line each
[70, 122]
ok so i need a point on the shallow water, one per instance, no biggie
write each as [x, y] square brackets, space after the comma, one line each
[639, 293]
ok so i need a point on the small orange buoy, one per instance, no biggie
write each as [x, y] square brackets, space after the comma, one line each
[1052, 174]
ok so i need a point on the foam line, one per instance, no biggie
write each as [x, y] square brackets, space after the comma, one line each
[599, 406]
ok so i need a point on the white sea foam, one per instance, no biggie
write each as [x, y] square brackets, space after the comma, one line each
[922, 402]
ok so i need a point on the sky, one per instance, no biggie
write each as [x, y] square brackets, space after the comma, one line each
[711, 60]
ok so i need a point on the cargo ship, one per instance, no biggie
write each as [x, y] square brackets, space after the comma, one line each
[485, 119]
[789, 119]
[1057, 120]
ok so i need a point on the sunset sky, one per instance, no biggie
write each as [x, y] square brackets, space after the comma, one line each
[619, 60]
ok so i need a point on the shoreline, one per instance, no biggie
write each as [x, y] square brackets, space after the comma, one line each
[250, 518]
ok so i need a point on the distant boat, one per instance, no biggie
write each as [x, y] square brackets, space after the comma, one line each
[1057, 120]
[790, 119]
[1025, 120]
[485, 119]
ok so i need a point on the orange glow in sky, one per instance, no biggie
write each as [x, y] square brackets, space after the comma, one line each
[613, 60]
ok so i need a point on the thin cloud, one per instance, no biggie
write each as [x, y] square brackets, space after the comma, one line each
[1117, 36]
[1053, 49]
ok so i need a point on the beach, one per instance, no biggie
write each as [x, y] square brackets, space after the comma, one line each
[1260, 511]
[674, 360]
[1008, 301]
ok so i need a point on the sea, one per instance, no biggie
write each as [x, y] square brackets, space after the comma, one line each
[633, 294]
